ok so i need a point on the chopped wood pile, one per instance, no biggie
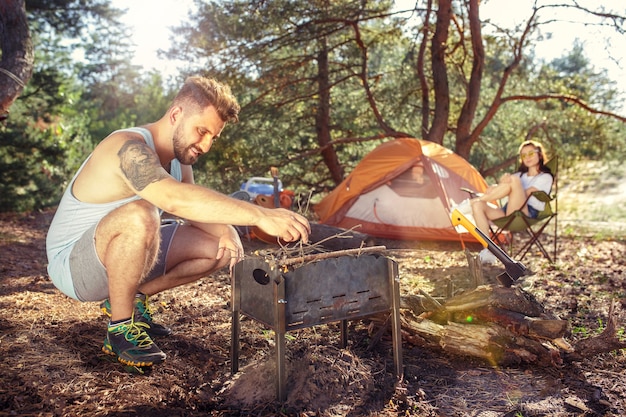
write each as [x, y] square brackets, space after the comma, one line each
[503, 326]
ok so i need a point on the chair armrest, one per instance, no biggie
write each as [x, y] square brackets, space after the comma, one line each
[471, 192]
[541, 196]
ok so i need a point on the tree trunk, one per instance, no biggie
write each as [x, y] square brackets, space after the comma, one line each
[322, 117]
[421, 73]
[464, 139]
[440, 73]
[16, 66]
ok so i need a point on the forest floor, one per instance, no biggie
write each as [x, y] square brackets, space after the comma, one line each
[51, 363]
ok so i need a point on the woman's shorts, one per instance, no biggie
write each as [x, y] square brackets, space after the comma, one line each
[532, 212]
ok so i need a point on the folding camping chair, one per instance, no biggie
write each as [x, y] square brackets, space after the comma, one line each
[518, 223]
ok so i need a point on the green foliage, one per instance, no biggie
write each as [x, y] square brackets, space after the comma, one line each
[47, 134]
[72, 18]
[37, 157]
[270, 53]
[563, 127]
[45, 138]
[128, 99]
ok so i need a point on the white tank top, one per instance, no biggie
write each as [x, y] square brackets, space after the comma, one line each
[73, 217]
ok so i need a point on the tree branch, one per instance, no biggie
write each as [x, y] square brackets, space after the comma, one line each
[365, 81]
[497, 99]
[563, 97]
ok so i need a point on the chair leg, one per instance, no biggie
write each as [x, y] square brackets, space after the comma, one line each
[495, 236]
[556, 231]
[534, 239]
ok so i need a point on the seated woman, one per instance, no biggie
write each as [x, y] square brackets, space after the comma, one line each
[532, 175]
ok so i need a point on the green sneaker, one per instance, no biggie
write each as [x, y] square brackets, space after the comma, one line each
[143, 312]
[132, 346]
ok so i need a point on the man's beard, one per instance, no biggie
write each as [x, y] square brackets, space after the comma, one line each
[184, 154]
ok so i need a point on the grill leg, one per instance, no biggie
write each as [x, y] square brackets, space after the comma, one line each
[394, 287]
[344, 334]
[234, 328]
[281, 381]
[279, 334]
[234, 343]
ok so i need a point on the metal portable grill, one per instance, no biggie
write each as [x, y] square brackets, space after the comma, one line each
[334, 289]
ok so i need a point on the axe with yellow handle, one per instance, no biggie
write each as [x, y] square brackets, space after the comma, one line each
[513, 268]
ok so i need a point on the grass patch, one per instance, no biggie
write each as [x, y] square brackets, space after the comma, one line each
[592, 199]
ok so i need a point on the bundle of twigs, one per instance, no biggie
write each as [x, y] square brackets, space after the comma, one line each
[300, 253]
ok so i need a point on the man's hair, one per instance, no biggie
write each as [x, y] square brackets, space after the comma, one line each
[199, 93]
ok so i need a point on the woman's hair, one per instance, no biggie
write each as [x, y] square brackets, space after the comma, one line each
[542, 156]
[198, 93]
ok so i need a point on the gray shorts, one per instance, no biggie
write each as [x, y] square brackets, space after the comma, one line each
[89, 275]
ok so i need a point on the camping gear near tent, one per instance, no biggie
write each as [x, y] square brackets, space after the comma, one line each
[403, 189]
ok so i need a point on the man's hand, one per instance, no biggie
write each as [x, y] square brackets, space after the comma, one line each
[229, 244]
[285, 225]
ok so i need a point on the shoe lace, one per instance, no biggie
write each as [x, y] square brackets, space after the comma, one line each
[135, 333]
[145, 308]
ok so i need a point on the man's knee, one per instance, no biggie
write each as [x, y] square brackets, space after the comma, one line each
[138, 219]
[141, 216]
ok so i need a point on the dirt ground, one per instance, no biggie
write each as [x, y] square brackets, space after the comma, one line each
[51, 363]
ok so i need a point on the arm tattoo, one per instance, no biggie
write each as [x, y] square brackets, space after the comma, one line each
[139, 164]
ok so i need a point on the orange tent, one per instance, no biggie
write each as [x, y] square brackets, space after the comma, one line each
[403, 189]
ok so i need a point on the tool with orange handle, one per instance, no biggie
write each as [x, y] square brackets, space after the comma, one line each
[513, 268]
